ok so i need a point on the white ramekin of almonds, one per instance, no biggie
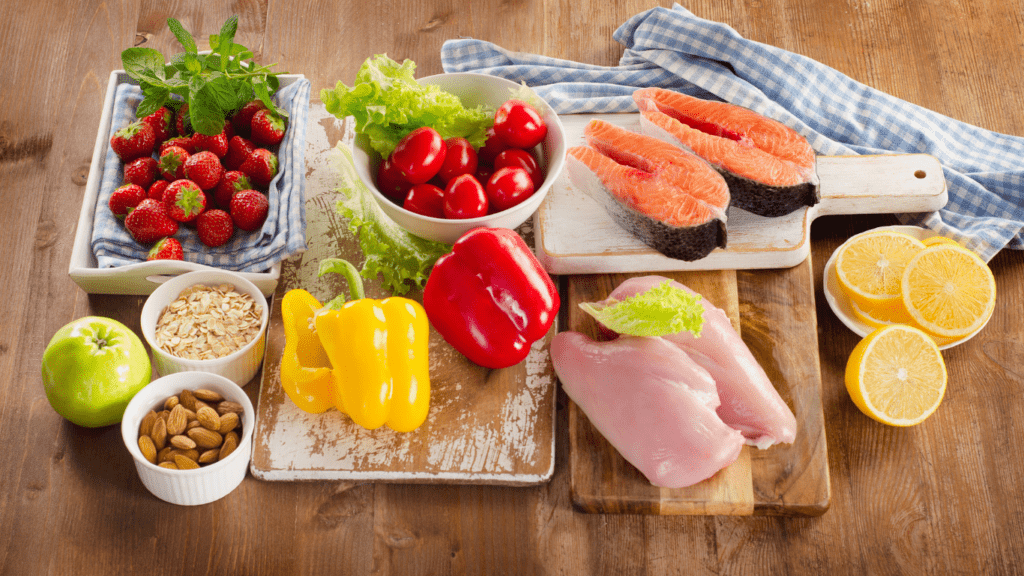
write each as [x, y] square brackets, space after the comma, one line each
[207, 321]
[190, 435]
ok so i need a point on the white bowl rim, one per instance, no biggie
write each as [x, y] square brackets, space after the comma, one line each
[836, 299]
[247, 428]
[548, 113]
[180, 279]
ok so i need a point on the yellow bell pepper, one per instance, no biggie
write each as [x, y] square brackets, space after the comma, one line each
[305, 369]
[377, 352]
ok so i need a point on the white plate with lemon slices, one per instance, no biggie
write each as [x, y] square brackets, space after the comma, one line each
[864, 323]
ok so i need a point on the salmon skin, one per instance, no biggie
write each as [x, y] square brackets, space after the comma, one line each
[668, 198]
[770, 169]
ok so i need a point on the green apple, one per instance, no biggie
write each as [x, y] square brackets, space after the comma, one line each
[92, 368]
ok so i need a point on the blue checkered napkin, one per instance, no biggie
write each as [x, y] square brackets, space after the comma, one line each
[282, 235]
[676, 50]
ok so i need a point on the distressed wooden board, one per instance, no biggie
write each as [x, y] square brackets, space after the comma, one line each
[777, 321]
[849, 185]
[484, 426]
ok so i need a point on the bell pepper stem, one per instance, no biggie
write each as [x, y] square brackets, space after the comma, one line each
[351, 274]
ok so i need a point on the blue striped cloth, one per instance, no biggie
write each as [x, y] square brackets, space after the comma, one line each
[673, 49]
[284, 232]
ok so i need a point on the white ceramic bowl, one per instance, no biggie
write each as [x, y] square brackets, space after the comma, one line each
[473, 90]
[840, 303]
[241, 365]
[207, 483]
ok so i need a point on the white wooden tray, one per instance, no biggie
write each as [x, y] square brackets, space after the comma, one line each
[575, 235]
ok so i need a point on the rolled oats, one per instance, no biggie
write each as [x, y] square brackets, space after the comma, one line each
[207, 322]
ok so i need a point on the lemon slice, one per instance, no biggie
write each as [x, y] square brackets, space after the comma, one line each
[882, 315]
[896, 375]
[870, 266]
[949, 291]
[934, 240]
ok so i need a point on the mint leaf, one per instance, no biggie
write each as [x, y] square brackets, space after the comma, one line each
[143, 63]
[227, 37]
[204, 112]
[659, 311]
[155, 97]
[184, 38]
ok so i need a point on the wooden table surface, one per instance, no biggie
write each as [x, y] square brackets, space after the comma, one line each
[945, 497]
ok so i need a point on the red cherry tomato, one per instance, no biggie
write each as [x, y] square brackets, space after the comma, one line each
[516, 157]
[419, 155]
[491, 148]
[425, 199]
[519, 124]
[460, 159]
[464, 197]
[507, 187]
[390, 181]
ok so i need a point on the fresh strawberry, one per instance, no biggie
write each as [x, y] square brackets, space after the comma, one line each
[172, 163]
[267, 128]
[242, 120]
[125, 199]
[183, 142]
[231, 183]
[162, 123]
[261, 166]
[215, 227]
[184, 200]
[204, 169]
[150, 222]
[156, 190]
[218, 143]
[166, 249]
[133, 141]
[238, 150]
[142, 171]
[183, 122]
[249, 209]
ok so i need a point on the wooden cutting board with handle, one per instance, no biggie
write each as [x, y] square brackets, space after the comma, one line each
[576, 236]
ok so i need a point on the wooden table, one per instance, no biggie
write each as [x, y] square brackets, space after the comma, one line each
[944, 497]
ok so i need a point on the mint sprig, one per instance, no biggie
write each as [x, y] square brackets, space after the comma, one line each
[214, 85]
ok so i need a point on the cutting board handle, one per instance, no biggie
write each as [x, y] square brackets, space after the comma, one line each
[880, 184]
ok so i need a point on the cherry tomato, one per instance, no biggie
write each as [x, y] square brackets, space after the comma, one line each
[519, 124]
[425, 199]
[491, 148]
[390, 181]
[464, 197]
[507, 187]
[523, 159]
[460, 159]
[419, 155]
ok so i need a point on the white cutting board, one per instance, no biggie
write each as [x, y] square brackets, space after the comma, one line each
[574, 234]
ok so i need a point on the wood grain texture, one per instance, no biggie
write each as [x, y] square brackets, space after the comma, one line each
[941, 498]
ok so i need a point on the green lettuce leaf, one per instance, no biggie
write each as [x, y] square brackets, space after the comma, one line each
[402, 260]
[661, 310]
[387, 103]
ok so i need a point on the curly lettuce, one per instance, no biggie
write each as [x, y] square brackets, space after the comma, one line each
[659, 311]
[387, 103]
[401, 259]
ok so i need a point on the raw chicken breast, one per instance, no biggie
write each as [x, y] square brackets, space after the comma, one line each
[653, 403]
[749, 401]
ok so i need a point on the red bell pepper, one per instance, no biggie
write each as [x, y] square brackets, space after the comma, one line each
[490, 298]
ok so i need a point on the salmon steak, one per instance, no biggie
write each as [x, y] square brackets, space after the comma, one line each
[770, 169]
[667, 197]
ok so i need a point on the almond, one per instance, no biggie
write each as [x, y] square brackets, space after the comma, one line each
[193, 424]
[159, 434]
[183, 442]
[177, 420]
[185, 463]
[209, 456]
[187, 399]
[189, 415]
[230, 443]
[200, 405]
[208, 395]
[209, 418]
[164, 415]
[168, 465]
[229, 406]
[205, 438]
[148, 448]
[166, 454]
[147, 423]
[228, 422]
[170, 403]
